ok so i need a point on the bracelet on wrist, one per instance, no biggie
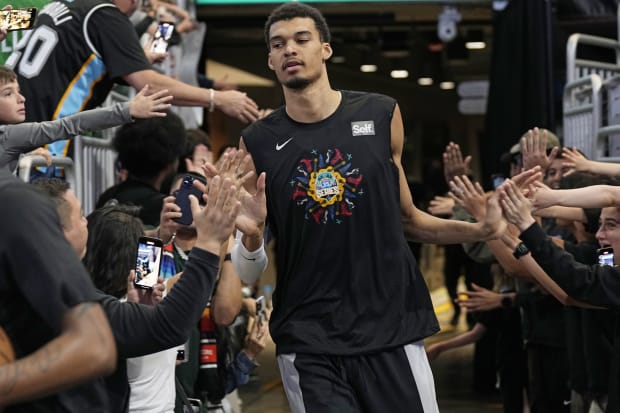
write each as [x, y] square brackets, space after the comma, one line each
[170, 241]
[212, 100]
[228, 257]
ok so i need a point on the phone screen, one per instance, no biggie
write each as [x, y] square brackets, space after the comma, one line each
[161, 37]
[148, 262]
[497, 180]
[18, 19]
[606, 256]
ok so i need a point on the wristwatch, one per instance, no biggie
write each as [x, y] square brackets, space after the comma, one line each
[520, 251]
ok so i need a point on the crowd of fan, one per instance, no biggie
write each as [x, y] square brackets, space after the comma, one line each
[553, 305]
[209, 267]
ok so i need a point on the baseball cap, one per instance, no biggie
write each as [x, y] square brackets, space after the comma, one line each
[552, 141]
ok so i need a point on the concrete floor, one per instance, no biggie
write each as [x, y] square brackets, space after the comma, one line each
[452, 371]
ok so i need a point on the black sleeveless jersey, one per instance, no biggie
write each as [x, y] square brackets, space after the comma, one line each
[71, 58]
[347, 282]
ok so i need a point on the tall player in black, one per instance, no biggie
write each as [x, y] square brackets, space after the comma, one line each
[78, 49]
[350, 307]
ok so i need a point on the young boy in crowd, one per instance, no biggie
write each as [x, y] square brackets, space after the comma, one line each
[17, 138]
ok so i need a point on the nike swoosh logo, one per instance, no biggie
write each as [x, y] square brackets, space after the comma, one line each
[249, 259]
[280, 146]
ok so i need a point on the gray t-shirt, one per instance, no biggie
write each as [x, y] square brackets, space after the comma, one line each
[24, 137]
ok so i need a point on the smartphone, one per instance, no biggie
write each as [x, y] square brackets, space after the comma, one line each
[162, 37]
[148, 262]
[261, 310]
[497, 180]
[183, 352]
[186, 189]
[605, 256]
[18, 19]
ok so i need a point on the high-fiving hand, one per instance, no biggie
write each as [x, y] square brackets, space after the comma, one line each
[215, 222]
[150, 105]
[235, 164]
[453, 162]
[516, 207]
[469, 196]
[534, 149]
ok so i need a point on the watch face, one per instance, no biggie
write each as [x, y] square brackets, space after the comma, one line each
[521, 250]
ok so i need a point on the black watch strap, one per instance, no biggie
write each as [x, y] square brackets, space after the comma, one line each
[506, 301]
[520, 251]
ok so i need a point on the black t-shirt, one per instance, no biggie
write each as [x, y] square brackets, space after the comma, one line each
[134, 192]
[140, 329]
[543, 315]
[597, 285]
[347, 282]
[507, 321]
[74, 54]
[41, 278]
[589, 332]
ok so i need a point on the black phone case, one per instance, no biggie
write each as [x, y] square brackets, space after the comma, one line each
[157, 242]
[182, 200]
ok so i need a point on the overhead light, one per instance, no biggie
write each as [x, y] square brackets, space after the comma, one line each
[425, 81]
[475, 45]
[475, 39]
[446, 85]
[338, 59]
[399, 74]
[368, 68]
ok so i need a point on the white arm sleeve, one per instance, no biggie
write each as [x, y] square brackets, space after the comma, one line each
[248, 264]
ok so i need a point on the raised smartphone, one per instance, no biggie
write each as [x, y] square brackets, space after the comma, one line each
[162, 37]
[186, 189]
[148, 261]
[18, 19]
[605, 256]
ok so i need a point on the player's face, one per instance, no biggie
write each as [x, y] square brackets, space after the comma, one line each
[296, 53]
[76, 230]
[608, 234]
[12, 108]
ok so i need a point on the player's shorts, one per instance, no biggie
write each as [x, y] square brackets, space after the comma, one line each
[395, 380]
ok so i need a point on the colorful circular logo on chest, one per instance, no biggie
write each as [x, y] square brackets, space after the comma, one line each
[326, 185]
